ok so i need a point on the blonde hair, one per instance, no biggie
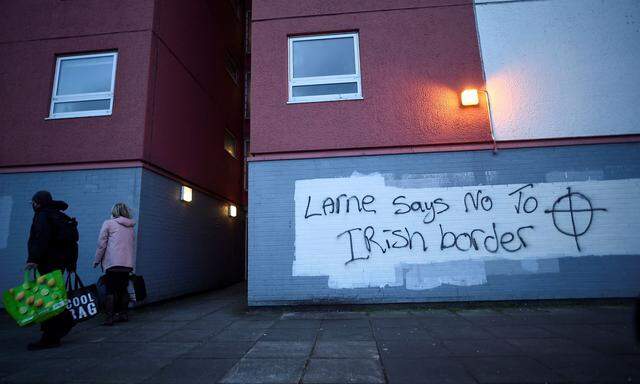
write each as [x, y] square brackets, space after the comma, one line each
[120, 210]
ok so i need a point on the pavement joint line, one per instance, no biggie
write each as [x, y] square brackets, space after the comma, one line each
[375, 340]
[313, 349]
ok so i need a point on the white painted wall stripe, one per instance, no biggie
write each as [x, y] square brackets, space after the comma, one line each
[356, 230]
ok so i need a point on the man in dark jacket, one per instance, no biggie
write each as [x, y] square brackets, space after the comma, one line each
[47, 253]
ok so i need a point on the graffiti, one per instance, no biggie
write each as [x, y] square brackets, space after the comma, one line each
[333, 206]
[359, 231]
[582, 213]
[432, 209]
[484, 202]
[530, 203]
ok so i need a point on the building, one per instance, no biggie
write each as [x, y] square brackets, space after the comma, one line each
[369, 181]
[128, 101]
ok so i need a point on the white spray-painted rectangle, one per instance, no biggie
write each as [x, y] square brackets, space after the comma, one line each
[359, 230]
[561, 68]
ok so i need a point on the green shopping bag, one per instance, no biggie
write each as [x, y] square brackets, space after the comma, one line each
[36, 300]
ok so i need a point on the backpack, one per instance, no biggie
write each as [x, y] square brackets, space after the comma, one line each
[66, 234]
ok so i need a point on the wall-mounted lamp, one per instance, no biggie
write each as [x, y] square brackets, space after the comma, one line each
[186, 194]
[233, 210]
[469, 97]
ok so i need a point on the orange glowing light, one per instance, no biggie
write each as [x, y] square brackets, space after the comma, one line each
[469, 97]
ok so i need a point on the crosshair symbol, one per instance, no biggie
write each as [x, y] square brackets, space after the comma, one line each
[579, 209]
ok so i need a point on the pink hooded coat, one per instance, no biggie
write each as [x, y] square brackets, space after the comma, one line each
[116, 244]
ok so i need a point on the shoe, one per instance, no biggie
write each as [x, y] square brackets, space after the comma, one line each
[122, 317]
[38, 345]
[109, 310]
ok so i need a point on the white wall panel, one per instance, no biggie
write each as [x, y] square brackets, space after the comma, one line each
[561, 68]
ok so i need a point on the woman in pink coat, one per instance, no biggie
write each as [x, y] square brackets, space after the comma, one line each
[116, 255]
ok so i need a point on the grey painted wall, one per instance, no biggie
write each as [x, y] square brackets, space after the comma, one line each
[272, 225]
[90, 195]
[186, 247]
[181, 248]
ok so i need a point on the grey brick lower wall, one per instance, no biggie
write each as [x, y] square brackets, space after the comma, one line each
[277, 277]
[181, 248]
[90, 195]
[186, 247]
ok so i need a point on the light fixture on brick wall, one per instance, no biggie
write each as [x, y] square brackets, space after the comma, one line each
[469, 98]
[186, 194]
[233, 210]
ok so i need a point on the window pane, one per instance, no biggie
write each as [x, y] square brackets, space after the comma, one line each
[325, 57]
[325, 89]
[80, 106]
[86, 75]
[230, 144]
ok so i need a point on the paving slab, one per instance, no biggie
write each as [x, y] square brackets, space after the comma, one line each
[239, 334]
[346, 349]
[215, 336]
[297, 323]
[259, 371]
[66, 370]
[345, 323]
[328, 371]
[534, 347]
[427, 371]
[457, 331]
[290, 334]
[200, 324]
[251, 325]
[403, 334]
[125, 370]
[510, 369]
[352, 334]
[196, 371]
[220, 349]
[139, 335]
[589, 369]
[480, 347]
[280, 349]
[345, 315]
[518, 331]
[412, 349]
[396, 322]
[187, 336]
[163, 350]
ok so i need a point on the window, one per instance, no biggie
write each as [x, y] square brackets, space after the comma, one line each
[230, 144]
[324, 68]
[83, 85]
[232, 67]
[237, 8]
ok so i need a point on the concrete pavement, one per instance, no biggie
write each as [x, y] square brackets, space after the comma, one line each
[215, 338]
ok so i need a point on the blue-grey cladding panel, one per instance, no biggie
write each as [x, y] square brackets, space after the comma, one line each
[186, 247]
[90, 195]
[181, 248]
[272, 225]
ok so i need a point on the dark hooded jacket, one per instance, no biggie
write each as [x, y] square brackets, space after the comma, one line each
[44, 249]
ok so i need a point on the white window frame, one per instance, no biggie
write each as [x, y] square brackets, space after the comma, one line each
[318, 80]
[82, 96]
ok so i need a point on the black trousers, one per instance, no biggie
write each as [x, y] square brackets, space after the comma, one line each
[116, 282]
